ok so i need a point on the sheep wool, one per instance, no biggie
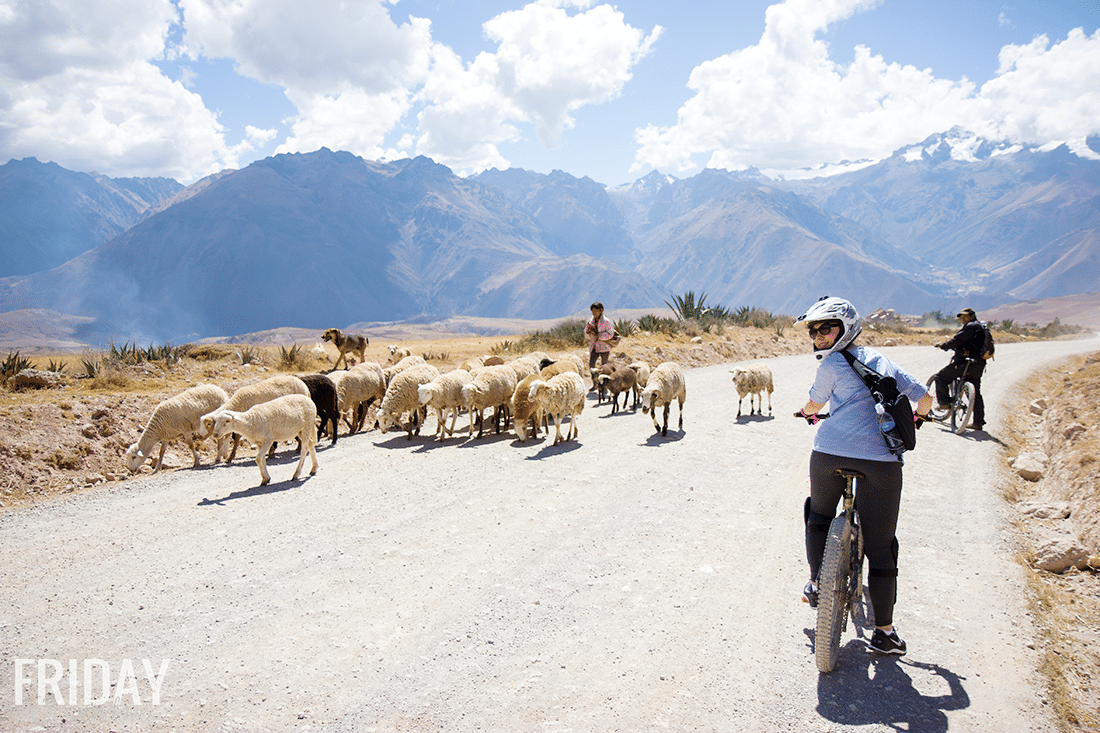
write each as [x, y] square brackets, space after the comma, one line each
[283, 418]
[357, 389]
[561, 395]
[445, 393]
[753, 380]
[176, 417]
[623, 379]
[524, 409]
[492, 386]
[402, 395]
[666, 383]
[251, 395]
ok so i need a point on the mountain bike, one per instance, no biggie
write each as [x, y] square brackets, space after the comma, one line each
[840, 580]
[961, 408]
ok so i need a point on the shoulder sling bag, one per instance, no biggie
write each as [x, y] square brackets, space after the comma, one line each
[902, 435]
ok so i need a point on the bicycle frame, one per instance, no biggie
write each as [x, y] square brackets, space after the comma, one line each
[962, 392]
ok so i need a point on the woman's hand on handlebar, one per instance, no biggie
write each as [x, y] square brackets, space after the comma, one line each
[812, 419]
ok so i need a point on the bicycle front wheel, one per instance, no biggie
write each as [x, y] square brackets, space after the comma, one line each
[833, 588]
[964, 408]
[937, 415]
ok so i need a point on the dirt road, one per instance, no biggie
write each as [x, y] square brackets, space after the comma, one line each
[623, 581]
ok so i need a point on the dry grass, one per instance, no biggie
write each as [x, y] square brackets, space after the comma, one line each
[1066, 607]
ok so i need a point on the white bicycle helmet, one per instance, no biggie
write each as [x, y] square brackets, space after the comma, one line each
[834, 309]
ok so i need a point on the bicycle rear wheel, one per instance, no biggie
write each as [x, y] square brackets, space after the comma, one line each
[964, 408]
[833, 588]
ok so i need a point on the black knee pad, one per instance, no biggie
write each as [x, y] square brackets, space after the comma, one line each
[883, 562]
[813, 519]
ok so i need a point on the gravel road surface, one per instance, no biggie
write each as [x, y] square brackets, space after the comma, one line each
[620, 582]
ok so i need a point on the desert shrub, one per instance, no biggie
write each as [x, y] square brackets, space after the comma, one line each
[57, 367]
[658, 324]
[68, 459]
[208, 352]
[291, 358]
[12, 365]
[247, 355]
[625, 327]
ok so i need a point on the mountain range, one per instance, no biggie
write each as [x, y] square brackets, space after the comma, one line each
[328, 239]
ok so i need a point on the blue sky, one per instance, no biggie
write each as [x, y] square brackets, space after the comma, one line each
[184, 88]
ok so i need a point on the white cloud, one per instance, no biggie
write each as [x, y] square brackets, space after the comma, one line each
[785, 104]
[79, 89]
[551, 63]
[318, 48]
[354, 121]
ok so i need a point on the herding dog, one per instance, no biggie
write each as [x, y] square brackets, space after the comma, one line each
[346, 344]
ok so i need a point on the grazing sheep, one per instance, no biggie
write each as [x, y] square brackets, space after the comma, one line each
[397, 353]
[575, 361]
[356, 390]
[176, 417]
[666, 383]
[405, 363]
[753, 380]
[323, 393]
[445, 393]
[524, 410]
[561, 395]
[402, 395]
[492, 361]
[492, 386]
[265, 424]
[623, 379]
[642, 370]
[346, 344]
[253, 394]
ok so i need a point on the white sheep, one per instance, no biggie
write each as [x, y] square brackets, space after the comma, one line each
[405, 363]
[445, 393]
[526, 365]
[666, 383]
[524, 410]
[264, 425]
[561, 395]
[492, 386]
[642, 370]
[473, 362]
[753, 380]
[356, 389]
[176, 417]
[402, 395]
[253, 394]
[397, 353]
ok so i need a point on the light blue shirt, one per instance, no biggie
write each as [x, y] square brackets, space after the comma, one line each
[852, 428]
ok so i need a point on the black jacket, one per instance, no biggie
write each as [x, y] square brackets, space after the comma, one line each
[968, 342]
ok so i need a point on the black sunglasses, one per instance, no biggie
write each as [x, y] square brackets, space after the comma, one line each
[823, 329]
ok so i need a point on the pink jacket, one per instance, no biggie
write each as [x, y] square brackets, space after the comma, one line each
[599, 334]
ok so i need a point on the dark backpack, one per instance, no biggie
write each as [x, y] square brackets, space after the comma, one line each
[988, 347]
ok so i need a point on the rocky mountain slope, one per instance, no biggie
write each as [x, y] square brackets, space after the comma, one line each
[327, 238]
[48, 215]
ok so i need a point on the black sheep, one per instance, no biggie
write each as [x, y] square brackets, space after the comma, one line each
[323, 392]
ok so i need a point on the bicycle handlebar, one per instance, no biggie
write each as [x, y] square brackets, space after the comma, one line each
[812, 419]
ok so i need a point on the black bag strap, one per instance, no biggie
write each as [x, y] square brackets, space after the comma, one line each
[869, 376]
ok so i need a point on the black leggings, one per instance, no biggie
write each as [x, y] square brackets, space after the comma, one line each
[878, 500]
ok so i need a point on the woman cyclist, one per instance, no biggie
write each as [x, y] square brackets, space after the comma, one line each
[850, 438]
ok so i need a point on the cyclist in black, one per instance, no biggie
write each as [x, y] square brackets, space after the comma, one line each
[967, 343]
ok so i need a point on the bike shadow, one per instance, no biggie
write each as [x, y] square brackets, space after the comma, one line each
[865, 689]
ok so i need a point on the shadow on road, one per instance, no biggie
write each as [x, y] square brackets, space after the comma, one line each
[271, 488]
[866, 690]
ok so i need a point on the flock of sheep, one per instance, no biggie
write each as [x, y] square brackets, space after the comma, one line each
[526, 393]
